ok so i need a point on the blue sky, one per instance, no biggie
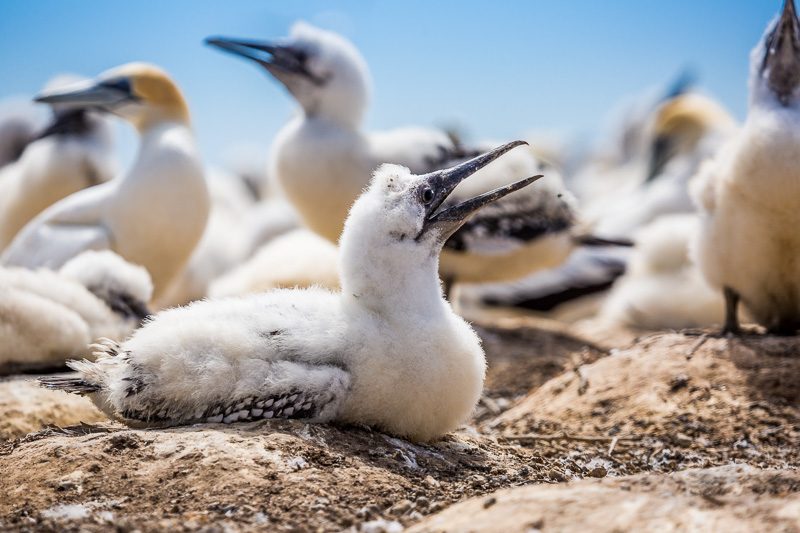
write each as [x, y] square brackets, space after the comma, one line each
[498, 69]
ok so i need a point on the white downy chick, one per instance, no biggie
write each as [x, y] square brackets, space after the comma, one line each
[154, 214]
[662, 288]
[387, 350]
[47, 317]
[323, 161]
[72, 152]
[749, 194]
[300, 258]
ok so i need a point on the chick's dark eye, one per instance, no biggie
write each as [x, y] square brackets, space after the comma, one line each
[427, 195]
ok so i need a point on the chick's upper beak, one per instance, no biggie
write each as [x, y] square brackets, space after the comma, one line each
[443, 182]
[276, 58]
[98, 94]
[781, 64]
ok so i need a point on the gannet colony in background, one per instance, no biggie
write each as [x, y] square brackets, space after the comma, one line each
[650, 180]
[749, 243]
[47, 317]
[323, 161]
[153, 215]
[386, 351]
[74, 151]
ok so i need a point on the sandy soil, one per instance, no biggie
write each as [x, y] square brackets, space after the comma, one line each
[558, 409]
[737, 498]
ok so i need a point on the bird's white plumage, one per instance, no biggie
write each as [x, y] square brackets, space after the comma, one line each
[662, 288]
[300, 258]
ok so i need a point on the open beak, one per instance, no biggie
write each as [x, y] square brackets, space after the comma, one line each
[443, 182]
[276, 58]
[103, 95]
[781, 64]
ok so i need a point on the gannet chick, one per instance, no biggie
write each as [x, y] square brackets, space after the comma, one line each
[73, 152]
[153, 215]
[749, 193]
[47, 317]
[386, 351]
[300, 258]
[323, 161]
[662, 288]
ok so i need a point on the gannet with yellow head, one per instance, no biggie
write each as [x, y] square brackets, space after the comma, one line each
[154, 214]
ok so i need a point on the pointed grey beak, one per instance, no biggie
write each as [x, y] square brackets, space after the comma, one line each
[438, 185]
[276, 58]
[103, 95]
[781, 64]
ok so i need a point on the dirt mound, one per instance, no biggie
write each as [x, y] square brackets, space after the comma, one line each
[26, 407]
[267, 473]
[666, 403]
[731, 498]
[669, 402]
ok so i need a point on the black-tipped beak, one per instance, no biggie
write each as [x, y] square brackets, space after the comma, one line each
[781, 64]
[438, 185]
[276, 58]
[103, 95]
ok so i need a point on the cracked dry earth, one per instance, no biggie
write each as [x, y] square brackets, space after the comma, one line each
[682, 432]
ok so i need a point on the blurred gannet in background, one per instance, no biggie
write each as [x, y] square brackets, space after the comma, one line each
[152, 216]
[386, 351]
[225, 241]
[685, 131]
[47, 317]
[620, 160]
[299, 258]
[662, 288]
[73, 152]
[749, 194]
[323, 161]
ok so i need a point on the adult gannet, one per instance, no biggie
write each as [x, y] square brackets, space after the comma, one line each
[47, 317]
[155, 214]
[387, 350]
[74, 151]
[749, 194]
[323, 161]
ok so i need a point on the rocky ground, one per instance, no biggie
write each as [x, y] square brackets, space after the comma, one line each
[607, 432]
